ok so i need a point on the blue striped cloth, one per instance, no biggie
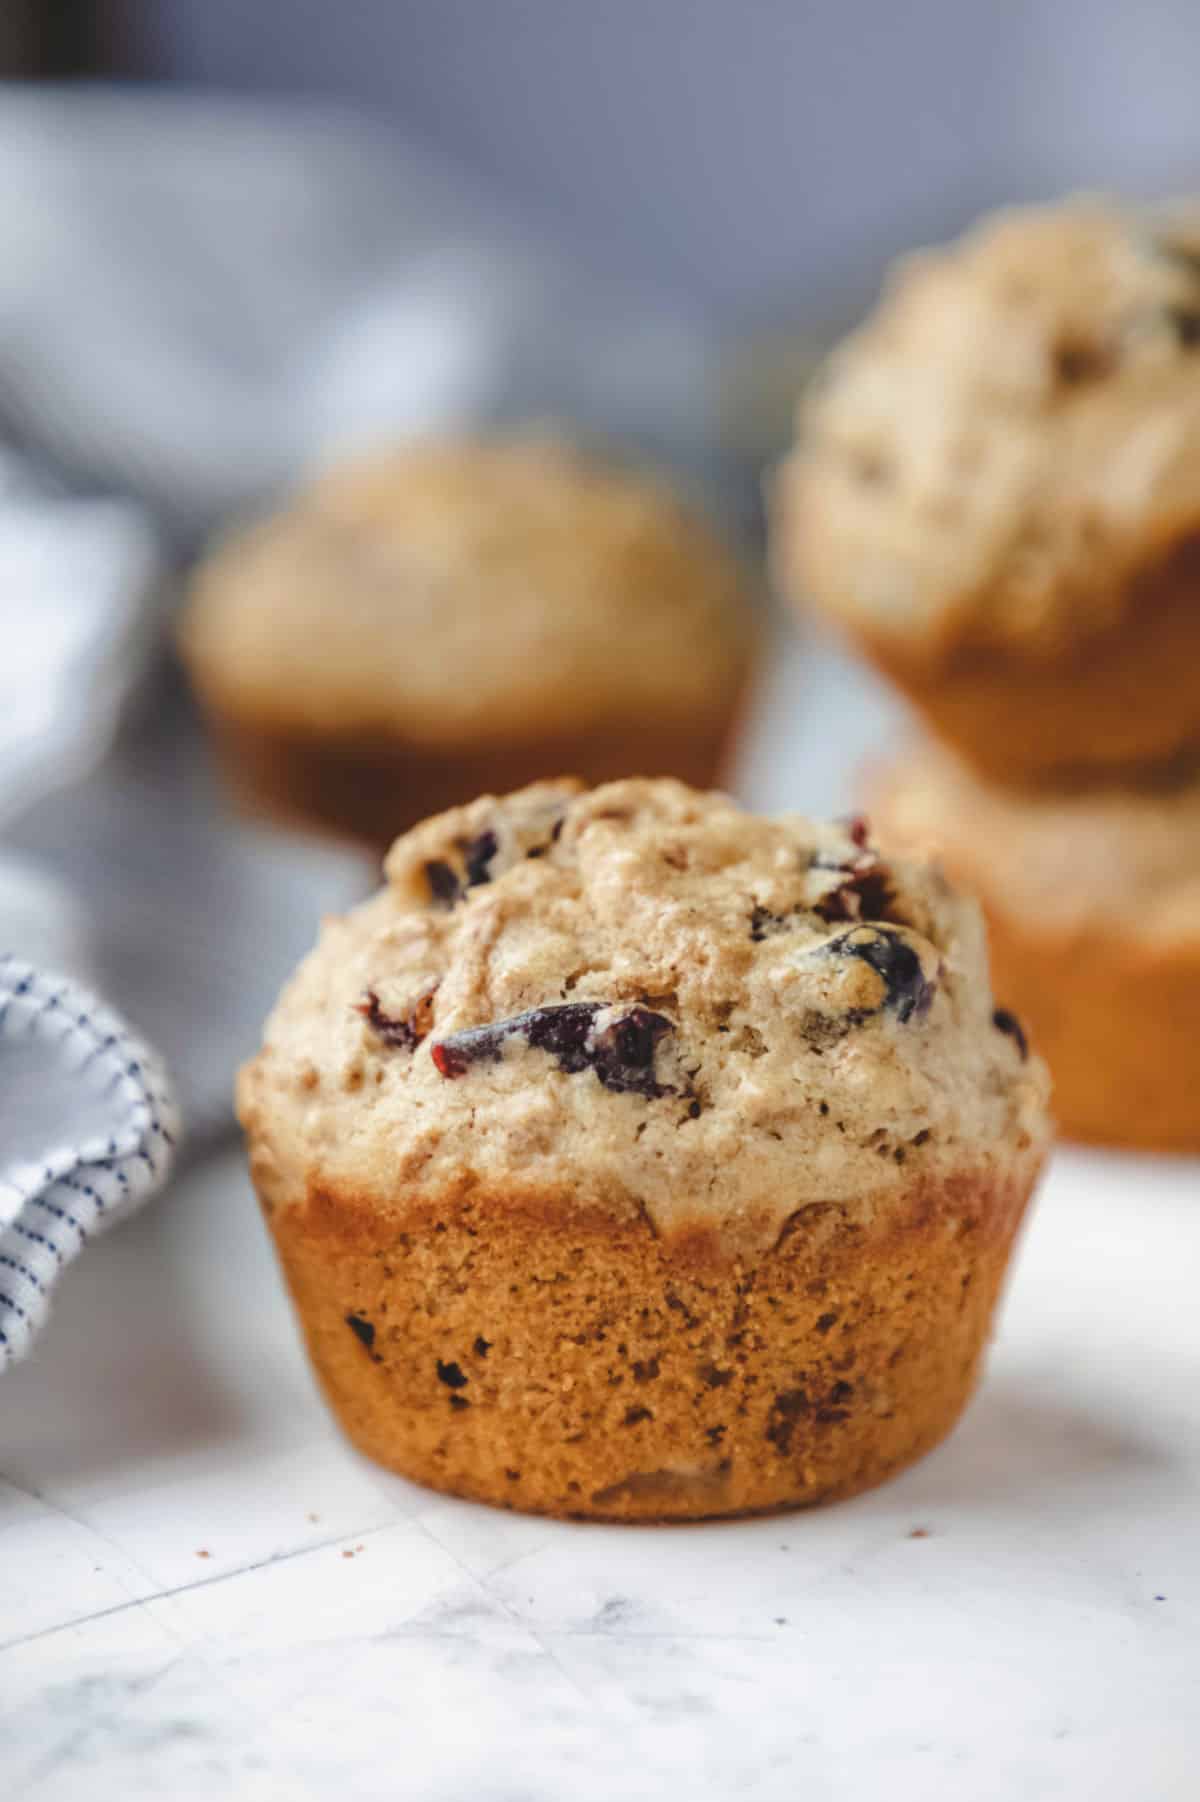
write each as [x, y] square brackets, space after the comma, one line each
[90, 1130]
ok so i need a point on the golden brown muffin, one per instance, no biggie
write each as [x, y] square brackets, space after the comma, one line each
[456, 617]
[634, 1157]
[1093, 908]
[996, 492]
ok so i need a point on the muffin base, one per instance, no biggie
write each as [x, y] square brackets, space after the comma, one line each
[1115, 1019]
[373, 788]
[520, 1351]
[1126, 701]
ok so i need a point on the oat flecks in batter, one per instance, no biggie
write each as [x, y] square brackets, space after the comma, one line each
[796, 1053]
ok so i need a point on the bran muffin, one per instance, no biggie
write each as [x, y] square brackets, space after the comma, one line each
[996, 491]
[630, 1156]
[462, 616]
[1093, 908]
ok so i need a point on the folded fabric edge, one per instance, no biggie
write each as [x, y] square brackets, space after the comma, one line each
[51, 1206]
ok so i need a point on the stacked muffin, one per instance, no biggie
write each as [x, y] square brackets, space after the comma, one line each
[997, 493]
[458, 616]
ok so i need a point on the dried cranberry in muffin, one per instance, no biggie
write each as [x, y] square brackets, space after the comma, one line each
[726, 1210]
[618, 1046]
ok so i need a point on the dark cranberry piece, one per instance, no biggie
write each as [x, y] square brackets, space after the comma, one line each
[908, 991]
[443, 883]
[866, 894]
[452, 1375]
[477, 855]
[760, 919]
[866, 891]
[624, 1052]
[857, 829]
[621, 1054]
[404, 1034]
[1003, 1021]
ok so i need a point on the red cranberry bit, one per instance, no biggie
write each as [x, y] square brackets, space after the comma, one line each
[857, 829]
[450, 1059]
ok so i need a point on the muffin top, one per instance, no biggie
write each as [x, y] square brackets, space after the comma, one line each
[463, 592]
[643, 994]
[1011, 434]
[1108, 860]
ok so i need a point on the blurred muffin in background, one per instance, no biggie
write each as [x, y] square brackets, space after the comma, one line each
[463, 616]
[996, 491]
[1093, 907]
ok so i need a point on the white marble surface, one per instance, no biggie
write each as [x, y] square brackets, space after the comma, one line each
[204, 1593]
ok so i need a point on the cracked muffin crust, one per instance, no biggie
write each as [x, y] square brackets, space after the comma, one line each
[1093, 908]
[455, 615]
[996, 490]
[627, 1080]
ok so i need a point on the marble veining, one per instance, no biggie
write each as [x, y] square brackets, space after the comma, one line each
[203, 1591]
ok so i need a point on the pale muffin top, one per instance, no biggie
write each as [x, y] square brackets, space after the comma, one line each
[1113, 860]
[1011, 435]
[642, 992]
[460, 593]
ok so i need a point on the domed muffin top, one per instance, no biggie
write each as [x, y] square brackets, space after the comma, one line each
[643, 994]
[456, 593]
[1014, 430]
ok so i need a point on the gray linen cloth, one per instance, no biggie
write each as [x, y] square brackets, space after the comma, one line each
[200, 299]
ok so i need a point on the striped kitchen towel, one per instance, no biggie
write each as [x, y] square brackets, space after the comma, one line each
[89, 1130]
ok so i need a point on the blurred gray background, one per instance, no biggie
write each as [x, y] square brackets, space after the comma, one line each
[760, 158]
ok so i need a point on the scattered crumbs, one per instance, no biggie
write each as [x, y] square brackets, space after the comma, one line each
[781, 1620]
[919, 1533]
[314, 1518]
[351, 1551]
[203, 1554]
